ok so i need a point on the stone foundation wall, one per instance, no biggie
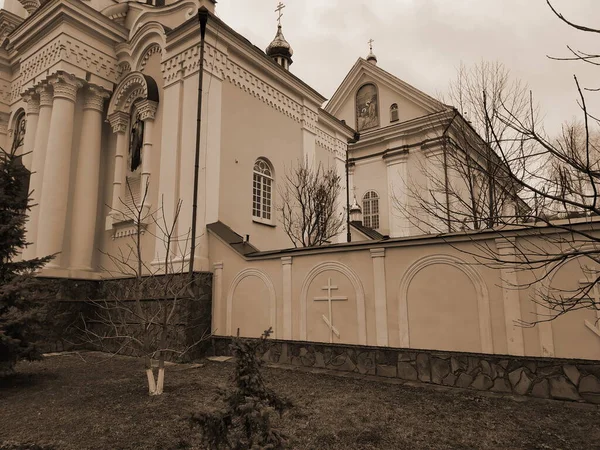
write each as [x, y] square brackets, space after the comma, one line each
[560, 379]
[72, 305]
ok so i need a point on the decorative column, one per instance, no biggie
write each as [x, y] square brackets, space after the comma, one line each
[286, 266]
[309, 135]
[87, 180]
[32, 114]
[435, 195]
[57, 168]
[217, 303]
[118, 121]
[397, 194]
[4, 118]
[340, 166]
[147, 112]
[40, 143]
[379, 284]
[510, 296]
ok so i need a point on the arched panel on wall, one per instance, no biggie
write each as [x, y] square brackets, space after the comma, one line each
[246, 273]
[554, 339]
[483, 301]
[358, 288]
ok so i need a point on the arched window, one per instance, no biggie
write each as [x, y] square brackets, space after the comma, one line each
[262, 191]
[394, 112]
[371, 210]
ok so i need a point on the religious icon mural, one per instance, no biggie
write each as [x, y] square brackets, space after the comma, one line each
[136, 142]
[19, 131]
[367, 108]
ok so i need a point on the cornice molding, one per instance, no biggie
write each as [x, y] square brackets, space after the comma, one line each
[68, 49]
[332, 144]
[75, 12]
[8, 23]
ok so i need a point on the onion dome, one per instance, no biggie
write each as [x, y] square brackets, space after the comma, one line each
[280, 50]
[371, 56]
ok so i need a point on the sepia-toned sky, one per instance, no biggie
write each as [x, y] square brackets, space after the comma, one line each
[424, 41]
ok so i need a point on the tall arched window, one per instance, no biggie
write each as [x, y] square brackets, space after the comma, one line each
[262, 191]
[394, 112]
[371, 210]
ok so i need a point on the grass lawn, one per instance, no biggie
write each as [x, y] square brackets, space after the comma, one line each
[70, 403]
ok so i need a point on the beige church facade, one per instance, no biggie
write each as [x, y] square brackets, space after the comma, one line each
[102, 98]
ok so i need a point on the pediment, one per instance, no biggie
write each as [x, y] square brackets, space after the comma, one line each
[389, 90]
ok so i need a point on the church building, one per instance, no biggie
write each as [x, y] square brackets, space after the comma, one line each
[101, 98]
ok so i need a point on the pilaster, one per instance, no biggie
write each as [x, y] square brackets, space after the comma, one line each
[286, 269]
[397, 178]
[32, 113]
[218, 327]
[380, 291]
[510, 297]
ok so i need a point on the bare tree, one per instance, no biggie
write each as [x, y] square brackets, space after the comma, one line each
[559, 178]
[309, 204]
[140, 314]
[465, 185]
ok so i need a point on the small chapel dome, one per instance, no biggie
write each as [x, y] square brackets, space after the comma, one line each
[355, 212]
[280, 50]
[372, 58]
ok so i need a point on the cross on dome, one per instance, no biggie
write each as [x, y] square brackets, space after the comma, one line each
[371, 56]
[279, 10]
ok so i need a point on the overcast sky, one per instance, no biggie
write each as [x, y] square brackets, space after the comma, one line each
[424, 41]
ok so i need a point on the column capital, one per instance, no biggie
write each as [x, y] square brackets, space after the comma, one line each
[94, 98]
[45, 93]
[33, 102]
[378, 253]
[286, 261]
[147, 109]
[30, 5]
[65, 86]
[118, 121]
[218, 265]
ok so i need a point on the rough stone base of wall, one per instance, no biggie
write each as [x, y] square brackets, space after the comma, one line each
[69, 304]
[560, 379]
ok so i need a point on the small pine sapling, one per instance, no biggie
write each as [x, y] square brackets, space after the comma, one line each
[245, 423]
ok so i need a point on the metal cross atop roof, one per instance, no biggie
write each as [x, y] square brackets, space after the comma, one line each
[278, 10]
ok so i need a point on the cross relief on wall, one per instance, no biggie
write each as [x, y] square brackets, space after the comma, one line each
[594, 295]
[330, 299]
